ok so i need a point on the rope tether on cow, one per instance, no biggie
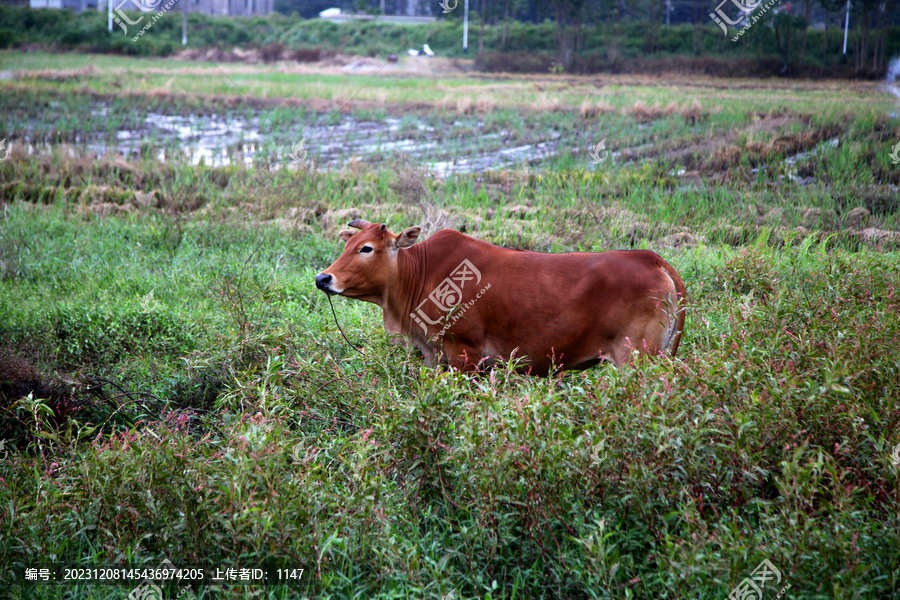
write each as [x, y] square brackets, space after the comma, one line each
[349, 343]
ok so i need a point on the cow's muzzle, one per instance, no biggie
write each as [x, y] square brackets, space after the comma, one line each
[323, 282]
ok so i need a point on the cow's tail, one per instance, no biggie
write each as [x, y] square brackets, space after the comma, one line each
[675, 307]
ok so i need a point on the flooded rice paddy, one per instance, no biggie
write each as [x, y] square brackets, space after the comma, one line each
[446, 146]
[441, 142]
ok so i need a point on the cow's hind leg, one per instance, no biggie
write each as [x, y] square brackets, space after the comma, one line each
[644, 338]
[655, 330]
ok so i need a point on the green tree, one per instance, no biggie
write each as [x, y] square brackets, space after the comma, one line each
[569, 18]
[786, 27]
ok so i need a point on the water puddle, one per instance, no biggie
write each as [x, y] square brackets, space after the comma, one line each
[891, 83]
[329, 143]
[791, 161]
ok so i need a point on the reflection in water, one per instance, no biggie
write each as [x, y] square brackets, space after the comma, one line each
[218, 140]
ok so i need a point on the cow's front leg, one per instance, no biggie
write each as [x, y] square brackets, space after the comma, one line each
[463, 356]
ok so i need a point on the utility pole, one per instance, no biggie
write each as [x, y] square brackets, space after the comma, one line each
[846, 26]
[668, 11]
[466, 29]
[184, 7]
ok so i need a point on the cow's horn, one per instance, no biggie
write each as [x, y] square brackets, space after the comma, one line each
[358, 223]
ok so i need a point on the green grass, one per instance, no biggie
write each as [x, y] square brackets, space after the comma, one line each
[120, 76]
[203, 407]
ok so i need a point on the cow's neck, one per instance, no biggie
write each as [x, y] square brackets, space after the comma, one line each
[408, 289]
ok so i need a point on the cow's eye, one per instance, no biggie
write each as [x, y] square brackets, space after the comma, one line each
[365, 249]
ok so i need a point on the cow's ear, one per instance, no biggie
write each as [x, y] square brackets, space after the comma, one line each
[346, 235]
[408, 237]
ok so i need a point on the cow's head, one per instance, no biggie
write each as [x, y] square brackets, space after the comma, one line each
[369, 261]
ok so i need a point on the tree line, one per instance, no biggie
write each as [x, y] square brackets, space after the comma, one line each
[791, 20]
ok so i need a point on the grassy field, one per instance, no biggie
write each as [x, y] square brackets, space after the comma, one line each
[388, 84]
[174, 386]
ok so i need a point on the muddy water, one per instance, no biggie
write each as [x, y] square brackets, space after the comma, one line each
[329, 142]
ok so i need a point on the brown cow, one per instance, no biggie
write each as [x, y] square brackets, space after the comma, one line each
[469, 303]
